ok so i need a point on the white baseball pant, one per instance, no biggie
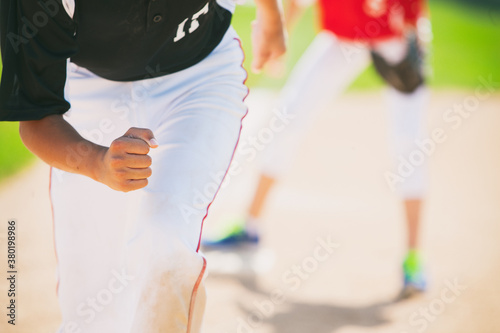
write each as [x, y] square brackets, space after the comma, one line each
[129, 262]
[326, 69]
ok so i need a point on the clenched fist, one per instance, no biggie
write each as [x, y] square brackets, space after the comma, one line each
[126, 166]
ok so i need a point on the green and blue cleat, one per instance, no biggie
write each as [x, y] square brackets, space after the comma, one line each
[415, 281]
[235, 236]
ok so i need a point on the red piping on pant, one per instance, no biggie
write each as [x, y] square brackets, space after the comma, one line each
[53, 228]
[200, 277]
[195, 293]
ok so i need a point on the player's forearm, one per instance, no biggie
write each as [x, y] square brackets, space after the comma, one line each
[57, 143]
[293, 12]
[268, 36]
[270, 11]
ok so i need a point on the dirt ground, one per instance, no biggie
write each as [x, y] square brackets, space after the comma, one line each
[334, 194]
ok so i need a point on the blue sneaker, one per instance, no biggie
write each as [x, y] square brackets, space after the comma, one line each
[415, 281]
[236, 236]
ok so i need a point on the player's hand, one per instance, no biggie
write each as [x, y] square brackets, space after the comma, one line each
[276, 68]
[268, 40]
[126, 165]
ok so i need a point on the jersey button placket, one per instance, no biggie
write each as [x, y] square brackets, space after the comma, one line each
[156, 14]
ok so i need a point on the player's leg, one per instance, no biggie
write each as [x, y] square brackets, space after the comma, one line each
[325, 70]
[89, 217]
[407, 130]
[264, 186]
[198, 136]
[407, 119]
[407, 127]
[129, 262]
[322, 74]
[407, 113]
[413, 209]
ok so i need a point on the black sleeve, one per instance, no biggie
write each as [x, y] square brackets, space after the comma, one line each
[36, 39]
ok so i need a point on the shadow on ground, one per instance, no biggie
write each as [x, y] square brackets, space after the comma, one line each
[294, 316]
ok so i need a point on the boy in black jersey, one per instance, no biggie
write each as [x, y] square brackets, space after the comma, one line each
[137, 106]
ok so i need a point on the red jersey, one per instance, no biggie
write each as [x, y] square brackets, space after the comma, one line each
[367, 20]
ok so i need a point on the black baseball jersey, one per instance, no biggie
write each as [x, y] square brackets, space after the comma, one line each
[120, 40]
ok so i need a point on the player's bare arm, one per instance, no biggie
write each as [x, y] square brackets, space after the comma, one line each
[124, 166]
[294, 10]
[268, 35]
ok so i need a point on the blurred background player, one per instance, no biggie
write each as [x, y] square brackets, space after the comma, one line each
[353, 33]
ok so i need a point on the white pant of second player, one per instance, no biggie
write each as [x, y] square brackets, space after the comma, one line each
[129, 262]
[325, 70]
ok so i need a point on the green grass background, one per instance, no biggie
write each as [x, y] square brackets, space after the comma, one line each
[13, 155]
[466, 45]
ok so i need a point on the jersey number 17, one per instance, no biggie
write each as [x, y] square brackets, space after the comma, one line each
[181, 33]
